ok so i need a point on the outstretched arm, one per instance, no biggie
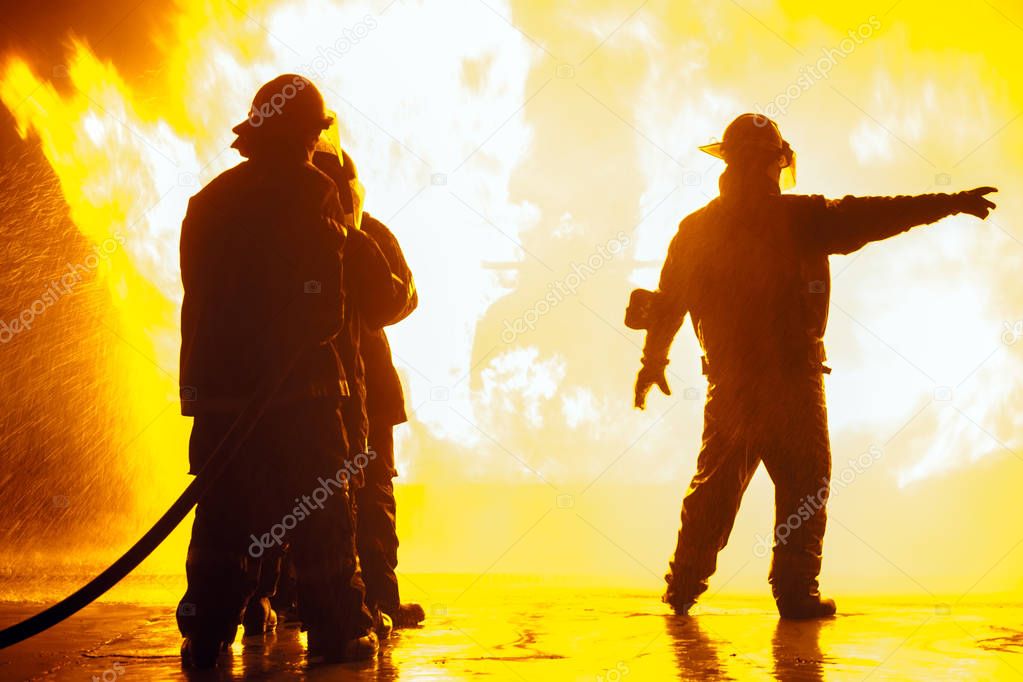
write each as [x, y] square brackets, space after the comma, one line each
[848, 224]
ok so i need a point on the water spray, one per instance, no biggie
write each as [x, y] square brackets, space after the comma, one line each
[222, 455]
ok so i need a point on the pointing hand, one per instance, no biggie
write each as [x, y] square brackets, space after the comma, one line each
[975, 202]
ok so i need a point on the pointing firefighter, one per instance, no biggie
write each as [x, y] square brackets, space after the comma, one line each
[751, 270]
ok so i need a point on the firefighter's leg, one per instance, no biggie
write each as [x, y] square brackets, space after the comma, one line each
[216, 568]
[799, 462]
[219, 583]
[260, 616]
[329, 584]
[725, 466]
[285, 601]
[377, 534]
[269, 574]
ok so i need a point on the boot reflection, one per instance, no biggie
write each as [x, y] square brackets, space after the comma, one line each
[695, 652]
[281, 653]
[796, 650]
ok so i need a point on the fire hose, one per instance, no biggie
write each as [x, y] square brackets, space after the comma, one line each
[222, 455]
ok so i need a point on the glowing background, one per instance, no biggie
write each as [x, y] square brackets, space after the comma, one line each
[507, 144]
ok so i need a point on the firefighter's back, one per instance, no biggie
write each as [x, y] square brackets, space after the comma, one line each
[747, 294]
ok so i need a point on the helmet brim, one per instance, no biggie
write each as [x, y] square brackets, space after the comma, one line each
[243, 128]
[714, 150]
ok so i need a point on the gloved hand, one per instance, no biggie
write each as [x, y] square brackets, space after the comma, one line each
[650, 376]
[975, 203]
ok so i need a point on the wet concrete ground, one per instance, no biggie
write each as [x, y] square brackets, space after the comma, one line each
[501, 629]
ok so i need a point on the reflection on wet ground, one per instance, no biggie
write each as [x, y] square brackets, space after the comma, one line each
[520, 630]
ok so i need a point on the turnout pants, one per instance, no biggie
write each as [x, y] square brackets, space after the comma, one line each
[781, 421]
[283, 487]
[377, 535]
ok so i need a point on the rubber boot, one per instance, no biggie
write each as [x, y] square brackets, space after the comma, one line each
[679, 608]
[680, 598]
[795, 588]
[259, 618]
[805, 607]
[362, 649]
[329, 650]
[408, 615]
[200, 653]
